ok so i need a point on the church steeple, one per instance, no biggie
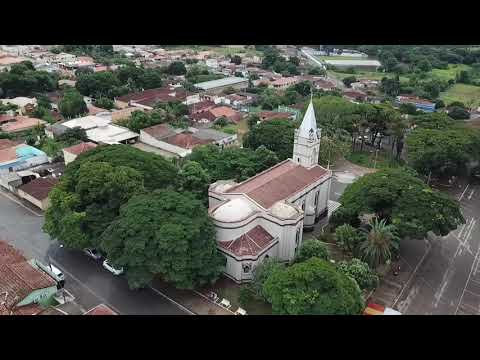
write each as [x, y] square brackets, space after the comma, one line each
[307, 139]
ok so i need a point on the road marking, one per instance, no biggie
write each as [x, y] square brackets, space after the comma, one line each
[172, 301]
[19, 203]
[468, 279]
[471, 292]
[413, 274]
[83, 284]
[471, 194]
[463, 193]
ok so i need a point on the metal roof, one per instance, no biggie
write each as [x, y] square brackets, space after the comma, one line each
[206, 85]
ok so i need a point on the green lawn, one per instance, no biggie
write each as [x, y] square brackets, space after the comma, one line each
[367, 159]
[367, 75]
[229, 129]
[450, 73]
[231, 291]
[468, 94]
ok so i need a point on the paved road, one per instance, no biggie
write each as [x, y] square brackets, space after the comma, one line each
[86, 279]
[448, 279]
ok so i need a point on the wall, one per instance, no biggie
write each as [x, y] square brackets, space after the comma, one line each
[41, 204]
[68, 157]
[150, 140]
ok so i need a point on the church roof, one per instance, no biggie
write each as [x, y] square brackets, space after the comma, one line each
[309, 123]
[280, 182]
[251, 243]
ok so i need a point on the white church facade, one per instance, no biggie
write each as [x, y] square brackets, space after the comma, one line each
[265, 215]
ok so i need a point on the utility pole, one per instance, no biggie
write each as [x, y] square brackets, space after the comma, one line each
[375, 163]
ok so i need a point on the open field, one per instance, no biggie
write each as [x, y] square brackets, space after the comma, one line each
[336, 57]
[367, 159]
[450, 73]
[368, 75]
[468, 94]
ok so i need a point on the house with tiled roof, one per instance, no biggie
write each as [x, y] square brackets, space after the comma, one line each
[265, 216]
[177, 142]
[24, 287]
[36, 191]
[71, 153]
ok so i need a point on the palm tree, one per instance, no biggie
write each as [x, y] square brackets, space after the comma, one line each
[381, 241]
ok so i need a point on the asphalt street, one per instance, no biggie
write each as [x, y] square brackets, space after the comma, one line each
[447, 281]
[86, 279]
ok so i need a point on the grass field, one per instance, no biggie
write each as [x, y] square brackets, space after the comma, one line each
[339, 58]
[468, 94]
[450, 73]
[367, 75]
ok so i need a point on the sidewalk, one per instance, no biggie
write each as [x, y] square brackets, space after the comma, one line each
[191, 300]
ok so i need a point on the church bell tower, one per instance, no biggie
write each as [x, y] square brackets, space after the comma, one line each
[307, 140]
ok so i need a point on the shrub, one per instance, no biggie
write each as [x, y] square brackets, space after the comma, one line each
[365, 277]
[312, 248]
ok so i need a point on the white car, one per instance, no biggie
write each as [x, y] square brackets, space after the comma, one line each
[56, 271]
[93, 253]
[110, 268]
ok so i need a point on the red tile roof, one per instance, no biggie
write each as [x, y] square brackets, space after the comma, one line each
[8, 154]
[280, 182]
[80, 148]
[159, 131]
[21, 123]
[223, 111]
[204, 115]
[6, 118]
[39, 188]
[101, 309]
[93, 110]
[249, 244]
[186, 140]
[152, 96]
[9, 255]
[6, 143]
[201, 106]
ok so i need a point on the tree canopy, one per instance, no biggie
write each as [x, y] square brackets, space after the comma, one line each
[276, 135]
[72, 104]
[156, 234]
[231, 162]
[24, 80]
[312, 248]
[313, 287]
[404, 200]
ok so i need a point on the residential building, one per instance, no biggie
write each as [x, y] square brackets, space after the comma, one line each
[420, 104]
[284, 82]
[24, 287]
[149, 98]
[16, 124]
[180, 142]
[123, 114]
[7, 61]
[218, 86]
[25, 104]
[264, 216]
[36, 191]
[99, 130]
[101, 309]
[354, 95]
[71, 153]
[14, 156]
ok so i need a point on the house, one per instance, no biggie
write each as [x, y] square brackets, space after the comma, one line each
[71, 153]
[354, 95]
[7, 61]
[201, 106]
[24, 287]
[98, 129]
[325, 85]
[211, 113]
[14, 156]
[227, 112]
[180, 142]
[36, 191]
[420, 104]
[123, 114]
[19, 123]
[284, 82]
[24, 104]
[101, 309]
[149, 98]
[265, 215]
[218, 86]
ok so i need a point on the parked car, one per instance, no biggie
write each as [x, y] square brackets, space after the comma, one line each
[93, 253]
[110, 268]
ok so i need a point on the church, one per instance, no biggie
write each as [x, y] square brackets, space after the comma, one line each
[265, 215]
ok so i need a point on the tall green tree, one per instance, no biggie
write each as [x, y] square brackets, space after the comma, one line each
[312, 248]
[195, 179]
[313, 287]
[404, 200]
[164, 233]
[380, 244]
[275, 135]
[72, 104]
[358, 270]
[177, 68]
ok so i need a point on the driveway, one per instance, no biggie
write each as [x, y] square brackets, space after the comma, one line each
[85, 279]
